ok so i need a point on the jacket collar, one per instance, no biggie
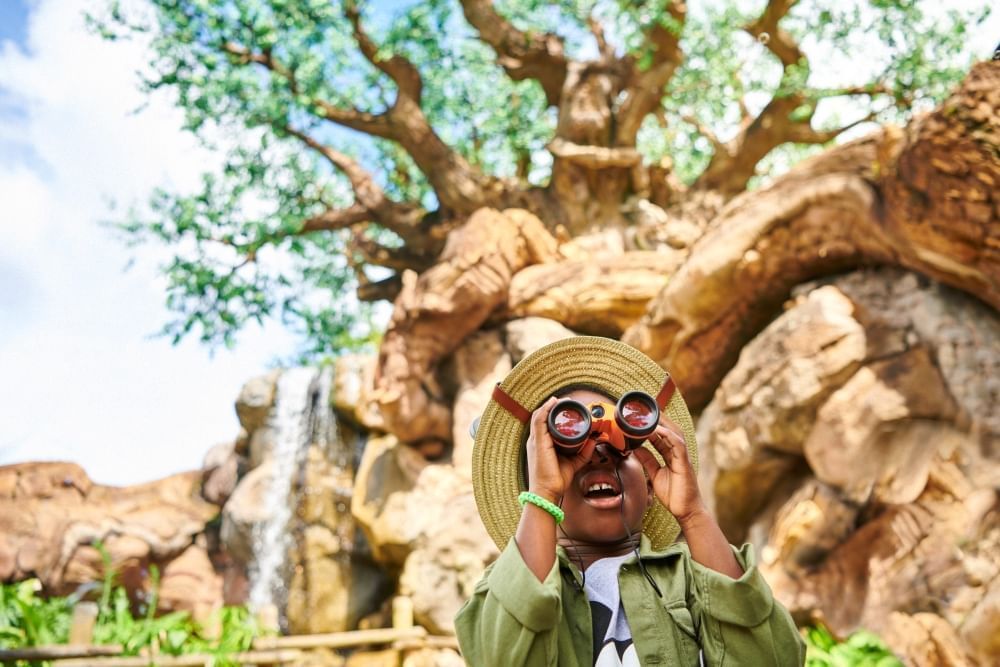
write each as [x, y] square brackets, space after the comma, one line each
[646, 551]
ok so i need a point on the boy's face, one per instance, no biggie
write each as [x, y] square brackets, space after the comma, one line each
[597, 498]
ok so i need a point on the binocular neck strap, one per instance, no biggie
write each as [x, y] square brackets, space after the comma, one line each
[666, 392]
[520, 413]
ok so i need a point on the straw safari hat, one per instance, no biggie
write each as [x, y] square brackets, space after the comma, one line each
[604, 364]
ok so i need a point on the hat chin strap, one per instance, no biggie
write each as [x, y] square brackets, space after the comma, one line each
[523, 415]
[666, 392]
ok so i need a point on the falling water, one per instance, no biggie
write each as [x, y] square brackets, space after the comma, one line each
[301, 416]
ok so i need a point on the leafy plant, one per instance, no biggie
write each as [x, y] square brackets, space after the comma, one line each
[860, 649]
[26, 620]
[29, 620]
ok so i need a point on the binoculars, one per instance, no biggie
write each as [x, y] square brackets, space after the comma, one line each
[626, 425]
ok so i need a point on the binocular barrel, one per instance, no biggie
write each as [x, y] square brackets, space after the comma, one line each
[634, 418]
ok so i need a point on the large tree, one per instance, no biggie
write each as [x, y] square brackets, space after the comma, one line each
[441, 155]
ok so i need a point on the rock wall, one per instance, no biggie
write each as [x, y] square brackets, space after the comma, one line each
[856, 442]
[54, 524]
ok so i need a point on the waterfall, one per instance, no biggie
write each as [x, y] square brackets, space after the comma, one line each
[301, 416]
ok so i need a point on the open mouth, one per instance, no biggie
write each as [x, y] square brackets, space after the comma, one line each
[601, 491]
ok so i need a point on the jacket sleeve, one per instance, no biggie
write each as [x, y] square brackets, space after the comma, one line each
[512, 617]
[741, 622]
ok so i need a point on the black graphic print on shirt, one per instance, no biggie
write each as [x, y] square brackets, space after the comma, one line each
[612, 637]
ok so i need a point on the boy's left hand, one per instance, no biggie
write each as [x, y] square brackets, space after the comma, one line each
[675, 483]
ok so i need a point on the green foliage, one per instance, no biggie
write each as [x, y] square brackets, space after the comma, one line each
[29, 620]
[236, 255]
[861, 649]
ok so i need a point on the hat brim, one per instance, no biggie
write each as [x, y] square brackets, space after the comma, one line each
[607, 365]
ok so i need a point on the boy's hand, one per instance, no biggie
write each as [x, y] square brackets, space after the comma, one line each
[549, 474]
[675, 483]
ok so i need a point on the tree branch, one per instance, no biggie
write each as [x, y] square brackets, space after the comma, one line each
[765, 29]
[386, 289]
[704, 131]
[643, 91]
[459, 186]
[597, 30]
[522, 55]
[396, 67]
[397, 259]
[594, 157]
[735, 162]
[374, 124]
[403, 219]
[804, 133]
[333, 219]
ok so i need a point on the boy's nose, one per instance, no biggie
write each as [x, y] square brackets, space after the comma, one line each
[603, 452]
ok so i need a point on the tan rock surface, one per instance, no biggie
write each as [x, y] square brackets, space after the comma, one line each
[353, 384]
[422, 519]
[865, 462]
[221, 470]
[52, 515]
[334, 581]
[527, 334]
[191, 582]
[436, 311]
[255, 400]
[599, 295]
[925, 640]
[877, 428]
[476, 367]
[245, 509]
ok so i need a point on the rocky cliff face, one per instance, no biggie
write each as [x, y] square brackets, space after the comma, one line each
[54, 522]
[856, 442]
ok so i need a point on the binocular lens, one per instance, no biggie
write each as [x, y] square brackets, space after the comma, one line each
[637, 414]
[571, 423]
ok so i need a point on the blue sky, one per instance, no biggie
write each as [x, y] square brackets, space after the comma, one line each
[13, 20]
[83, 377]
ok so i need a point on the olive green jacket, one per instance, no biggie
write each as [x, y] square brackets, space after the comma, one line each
[515, 619]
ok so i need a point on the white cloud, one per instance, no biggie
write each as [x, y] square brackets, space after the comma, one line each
[83, 380]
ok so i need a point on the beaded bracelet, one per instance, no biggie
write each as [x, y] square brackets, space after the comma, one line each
[538, 501]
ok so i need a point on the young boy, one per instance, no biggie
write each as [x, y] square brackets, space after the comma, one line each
[590, 572]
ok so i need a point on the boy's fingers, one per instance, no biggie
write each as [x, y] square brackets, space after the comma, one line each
[662, 441]
[539, 416]
[586, 452]
[648, 461]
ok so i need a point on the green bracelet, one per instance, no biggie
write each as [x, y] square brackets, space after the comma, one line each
[538, 501]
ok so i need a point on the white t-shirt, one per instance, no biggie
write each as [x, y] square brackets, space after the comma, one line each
[612, 636]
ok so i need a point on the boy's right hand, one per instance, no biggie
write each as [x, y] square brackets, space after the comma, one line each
[550, 473]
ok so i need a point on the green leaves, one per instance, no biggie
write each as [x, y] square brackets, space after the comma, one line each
[861, 649]
[29, 620]
[26, 619]
[245, 72]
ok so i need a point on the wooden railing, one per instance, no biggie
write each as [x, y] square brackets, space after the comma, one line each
[403, 636]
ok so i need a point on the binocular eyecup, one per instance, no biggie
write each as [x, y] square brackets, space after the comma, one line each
[625, 425]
